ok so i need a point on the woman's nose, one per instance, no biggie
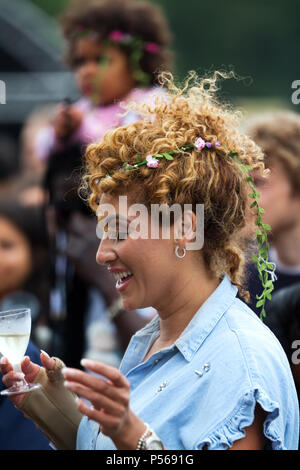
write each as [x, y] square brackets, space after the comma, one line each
[105, 253]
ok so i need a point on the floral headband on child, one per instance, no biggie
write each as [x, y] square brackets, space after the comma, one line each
[264, 266]
[135, 46]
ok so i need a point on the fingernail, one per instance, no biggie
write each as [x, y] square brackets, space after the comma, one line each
[45, 354]
[86, 362]
[78, 401]
[67, 371]
[3, 360]
[66, 384]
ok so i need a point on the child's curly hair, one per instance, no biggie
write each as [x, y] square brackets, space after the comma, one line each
[209, 176]
[142, 20]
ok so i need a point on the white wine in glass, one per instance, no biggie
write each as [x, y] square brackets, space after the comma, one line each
[15, 326]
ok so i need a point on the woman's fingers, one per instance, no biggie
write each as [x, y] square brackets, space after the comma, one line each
[111, 373]
[5, 365]
[47, 361]
[30, 369]
[12, 377]
[98, 385]
[103, 387]
[105, 420]
[110, 398]
[99, 401]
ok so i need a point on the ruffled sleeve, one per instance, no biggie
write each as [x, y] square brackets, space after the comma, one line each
[233, 427]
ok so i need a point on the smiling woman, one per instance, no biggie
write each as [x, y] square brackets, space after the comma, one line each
[204, 342]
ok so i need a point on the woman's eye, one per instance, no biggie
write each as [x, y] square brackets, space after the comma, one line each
[116, 235]
[119, 236]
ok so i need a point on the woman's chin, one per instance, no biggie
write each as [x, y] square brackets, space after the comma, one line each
[132, 304]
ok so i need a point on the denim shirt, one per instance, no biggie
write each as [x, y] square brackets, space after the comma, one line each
[202, 390]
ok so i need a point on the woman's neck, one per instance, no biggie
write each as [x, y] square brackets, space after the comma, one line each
[183, 302]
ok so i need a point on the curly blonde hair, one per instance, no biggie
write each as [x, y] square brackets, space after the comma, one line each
[208, 177]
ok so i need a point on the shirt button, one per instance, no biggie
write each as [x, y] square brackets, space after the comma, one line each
[156, 361]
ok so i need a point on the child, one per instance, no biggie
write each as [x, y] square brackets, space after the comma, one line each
[115, 49]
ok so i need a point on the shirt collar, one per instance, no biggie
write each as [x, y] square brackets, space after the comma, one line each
[206, 318]
[203, 321]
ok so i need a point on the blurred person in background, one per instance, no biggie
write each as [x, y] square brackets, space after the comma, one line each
[18, 180]
[278, 134]
[24, 261]
[23, 283]
[8, 161]
[31, 141]
[115, 50]
[283, 318]
[12, 179]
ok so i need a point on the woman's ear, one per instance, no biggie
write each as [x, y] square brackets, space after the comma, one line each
[185, 227]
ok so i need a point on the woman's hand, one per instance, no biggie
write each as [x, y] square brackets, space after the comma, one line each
[29, 369]
[110, 400]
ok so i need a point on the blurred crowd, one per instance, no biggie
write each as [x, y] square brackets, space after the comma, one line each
[48, 239]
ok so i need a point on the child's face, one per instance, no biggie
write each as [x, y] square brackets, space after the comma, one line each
[102, 72]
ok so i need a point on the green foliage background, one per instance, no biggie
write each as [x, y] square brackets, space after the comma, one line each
[259, 39]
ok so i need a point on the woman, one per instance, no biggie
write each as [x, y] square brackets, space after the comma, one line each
[205, 373]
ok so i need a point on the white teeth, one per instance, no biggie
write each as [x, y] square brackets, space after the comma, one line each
[119, 276]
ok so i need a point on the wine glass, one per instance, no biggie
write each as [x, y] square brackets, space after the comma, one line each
[15, 326]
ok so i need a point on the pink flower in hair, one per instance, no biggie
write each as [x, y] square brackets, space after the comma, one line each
[152, 47]
[151, 162]
[199, 143]
[116, 35]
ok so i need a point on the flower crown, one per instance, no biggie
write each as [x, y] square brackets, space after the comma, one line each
[264, 267]
[137, 47]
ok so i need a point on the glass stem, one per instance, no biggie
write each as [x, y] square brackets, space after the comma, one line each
[18, 368]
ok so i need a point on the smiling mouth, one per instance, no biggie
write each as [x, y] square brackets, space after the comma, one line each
[122, 279]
